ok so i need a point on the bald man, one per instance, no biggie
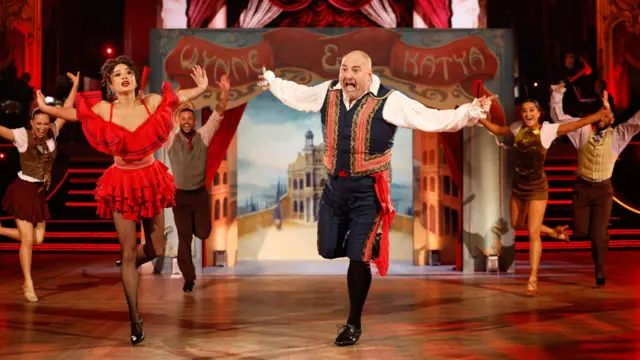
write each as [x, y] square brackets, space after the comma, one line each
[360, 117]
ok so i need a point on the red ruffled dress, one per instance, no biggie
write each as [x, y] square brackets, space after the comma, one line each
[136, 185]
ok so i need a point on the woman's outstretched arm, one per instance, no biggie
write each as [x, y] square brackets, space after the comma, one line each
[494, 128]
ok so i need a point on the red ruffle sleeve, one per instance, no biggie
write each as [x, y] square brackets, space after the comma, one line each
[115, 140]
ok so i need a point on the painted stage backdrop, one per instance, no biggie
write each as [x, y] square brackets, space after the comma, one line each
[273, 172]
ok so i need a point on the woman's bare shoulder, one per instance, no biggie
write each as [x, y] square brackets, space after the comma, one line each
[152, 99]
[102, 109]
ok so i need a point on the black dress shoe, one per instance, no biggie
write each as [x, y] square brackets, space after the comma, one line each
[600, 281]
[188, 286]
[119, 262]
[348, 336]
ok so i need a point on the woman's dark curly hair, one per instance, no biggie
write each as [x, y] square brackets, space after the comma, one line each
[107, 71]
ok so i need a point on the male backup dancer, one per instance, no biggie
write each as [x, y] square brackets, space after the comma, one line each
[598, 146]
[360, 117]
[187, 149]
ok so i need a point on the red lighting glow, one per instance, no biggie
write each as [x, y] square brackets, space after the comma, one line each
[1, 155]
[109, 50]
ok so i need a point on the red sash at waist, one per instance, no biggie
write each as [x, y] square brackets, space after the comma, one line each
[133, 165]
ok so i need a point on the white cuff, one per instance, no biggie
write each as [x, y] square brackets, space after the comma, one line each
[476, 111]
[269, 76]
[473, 113]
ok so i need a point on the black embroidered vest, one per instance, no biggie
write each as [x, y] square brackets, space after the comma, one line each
[357, 140]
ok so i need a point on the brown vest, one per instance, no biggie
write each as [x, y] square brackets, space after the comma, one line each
[37, 161]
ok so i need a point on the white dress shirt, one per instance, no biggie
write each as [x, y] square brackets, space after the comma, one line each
[398, 110]
[620, 138]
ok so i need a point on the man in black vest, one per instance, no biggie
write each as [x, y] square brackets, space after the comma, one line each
[360, 117]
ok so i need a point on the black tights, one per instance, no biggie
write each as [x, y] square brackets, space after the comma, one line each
[358, 281]
[134, 256]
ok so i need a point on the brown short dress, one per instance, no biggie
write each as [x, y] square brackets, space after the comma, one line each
[26, 197]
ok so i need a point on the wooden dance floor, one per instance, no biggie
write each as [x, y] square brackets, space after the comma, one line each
[82, 314]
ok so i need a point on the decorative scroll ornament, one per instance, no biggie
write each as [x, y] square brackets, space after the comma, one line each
[628, 11]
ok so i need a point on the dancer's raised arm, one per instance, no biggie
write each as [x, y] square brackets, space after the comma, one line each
[200, 77]
[68, 103]
[64, 113]
[567, 127]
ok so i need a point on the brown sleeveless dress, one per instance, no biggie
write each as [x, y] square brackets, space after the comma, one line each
[530, 180]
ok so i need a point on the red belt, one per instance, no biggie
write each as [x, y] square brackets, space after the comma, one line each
[134, 164]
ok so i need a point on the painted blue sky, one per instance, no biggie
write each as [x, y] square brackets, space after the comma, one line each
[271, 134]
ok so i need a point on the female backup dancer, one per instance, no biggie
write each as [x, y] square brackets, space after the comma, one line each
[530, 189]
[136, 187]
[26, 198]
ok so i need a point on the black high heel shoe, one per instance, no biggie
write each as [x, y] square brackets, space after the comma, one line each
[348, 336]
[137, 333]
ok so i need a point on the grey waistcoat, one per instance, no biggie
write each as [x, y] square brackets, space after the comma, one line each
[189, 167]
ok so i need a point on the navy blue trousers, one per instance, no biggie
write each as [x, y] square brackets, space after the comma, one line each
[348, 212]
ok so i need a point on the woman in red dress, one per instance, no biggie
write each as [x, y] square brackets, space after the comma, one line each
[136, 187]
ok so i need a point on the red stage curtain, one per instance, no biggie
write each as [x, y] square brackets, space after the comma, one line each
[291, 5]
[320, 14]
[350, 5]
[222, 139]
[345, 5]
[435, 13]
[332, 13]
[201, 12]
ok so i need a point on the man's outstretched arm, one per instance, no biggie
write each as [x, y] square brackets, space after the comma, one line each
[296, 96]
[403, 111]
